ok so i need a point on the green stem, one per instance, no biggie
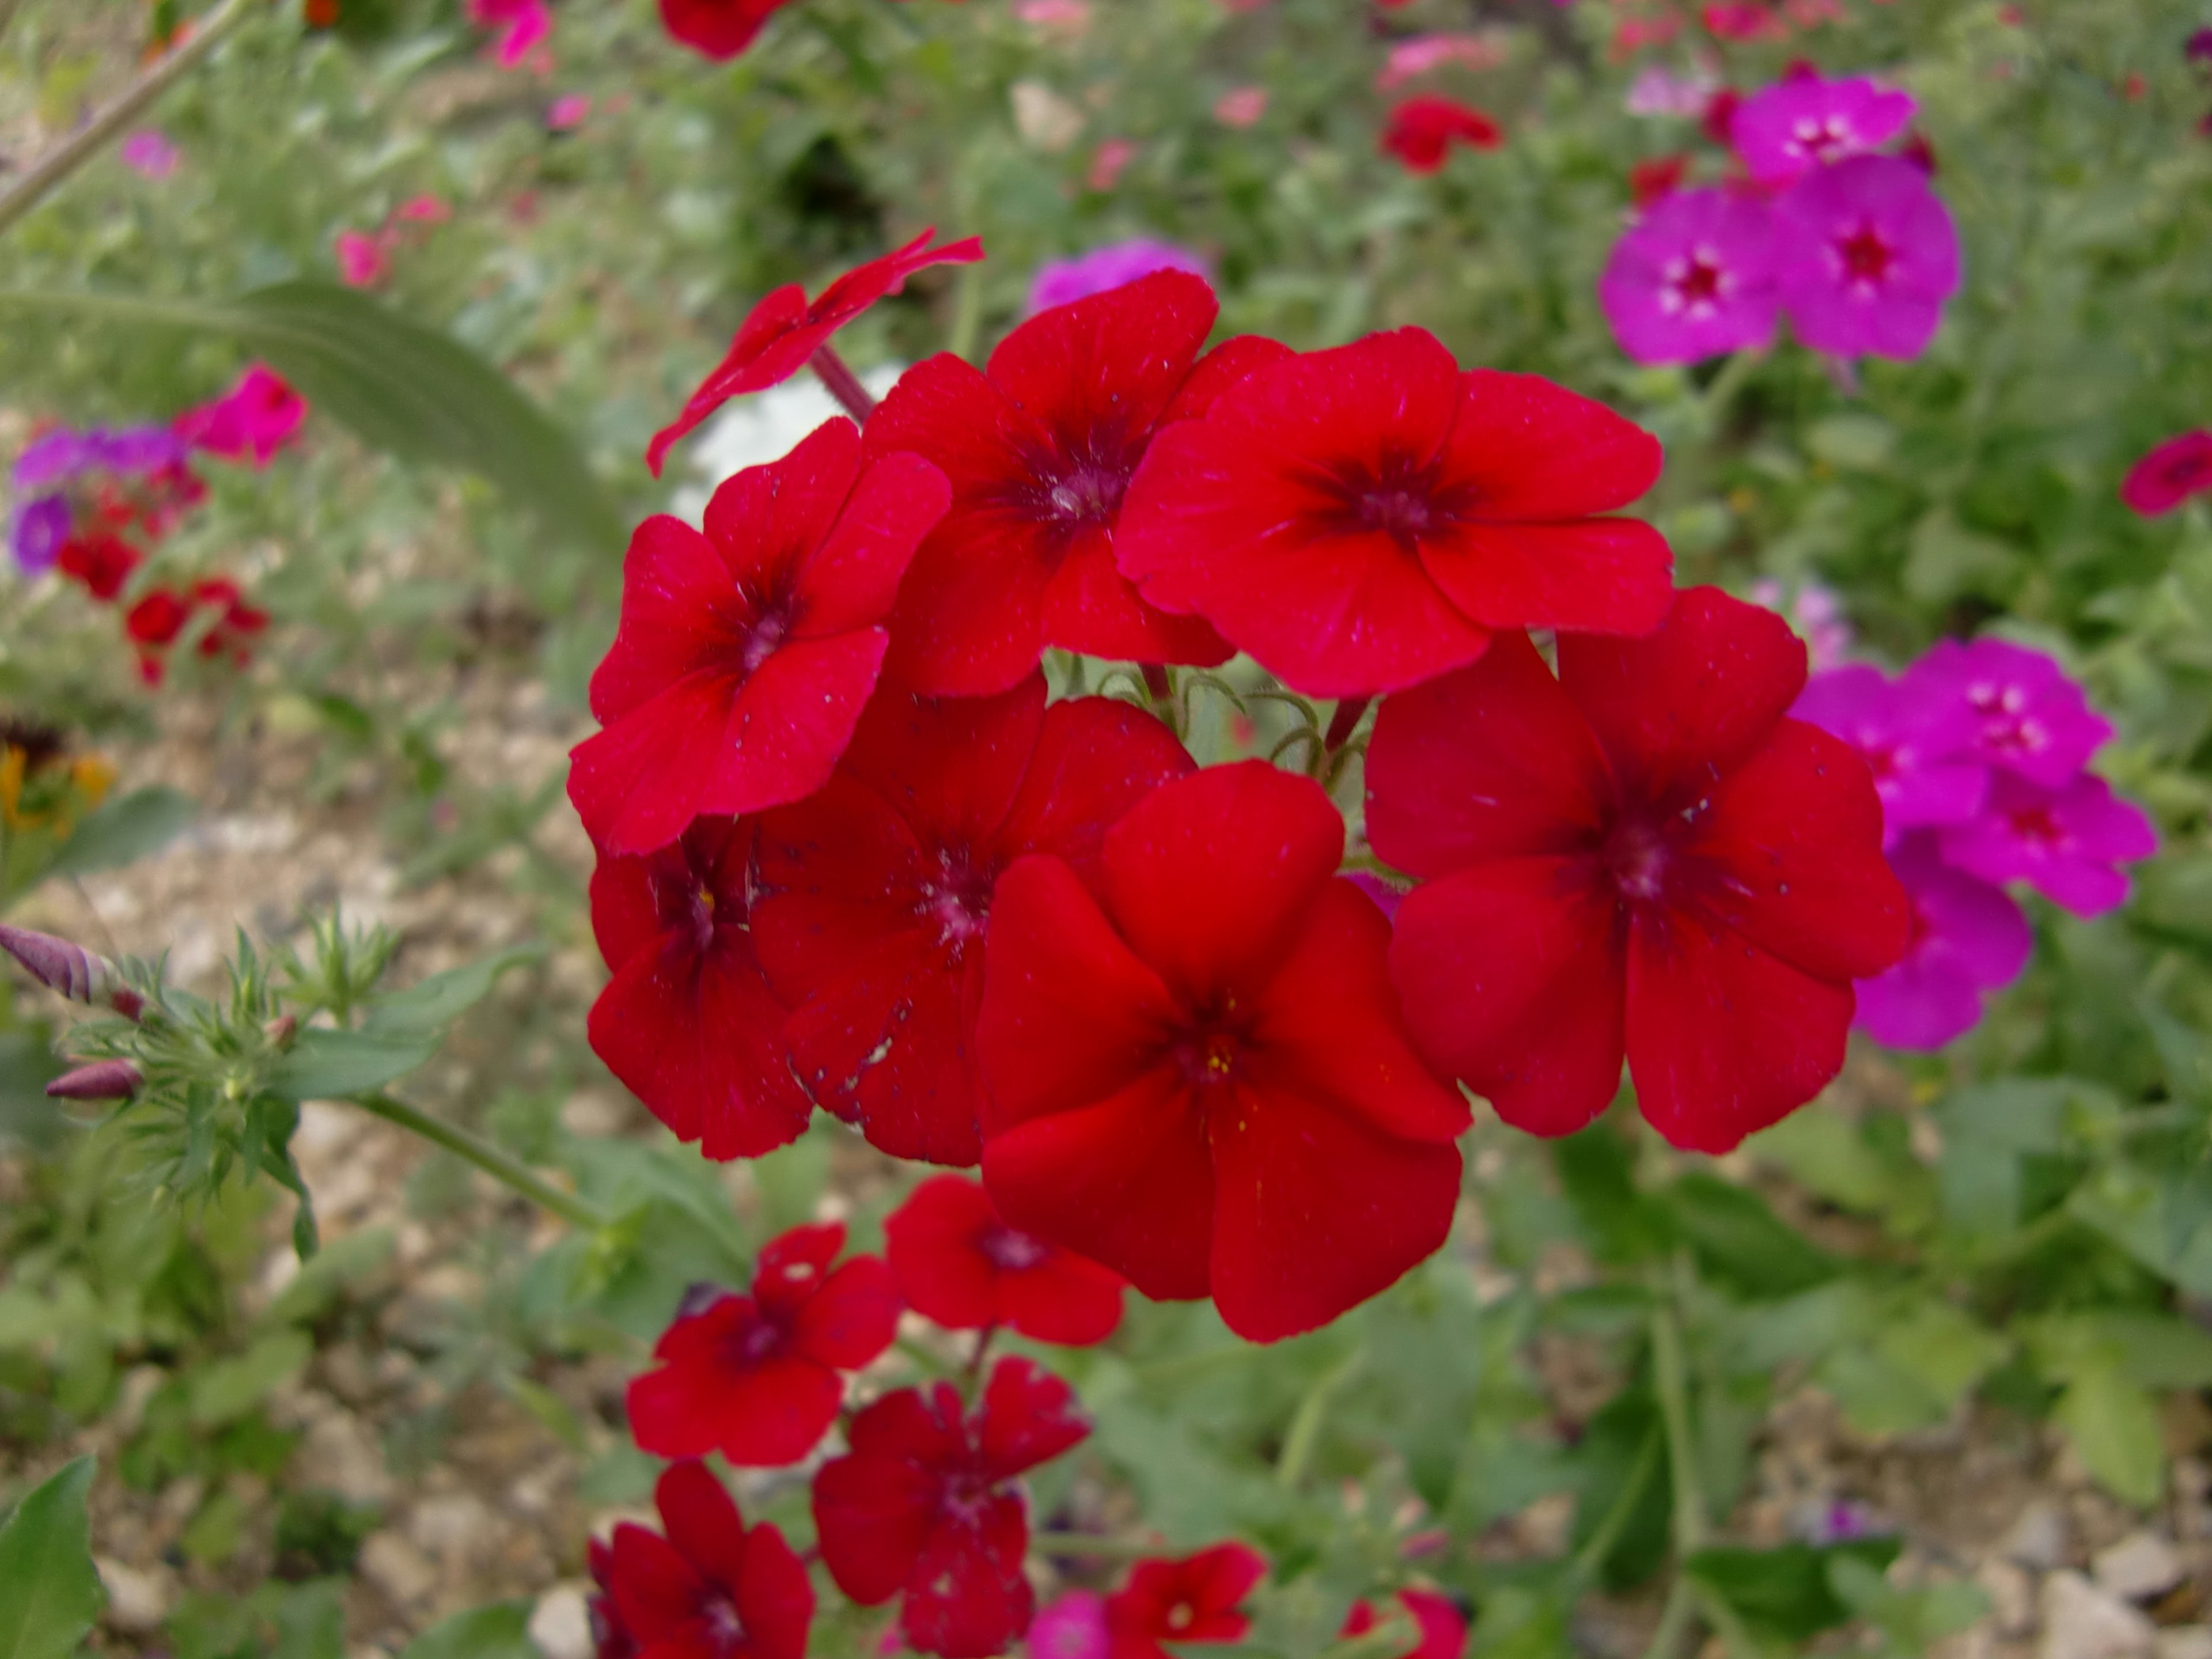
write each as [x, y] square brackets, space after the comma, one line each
[1674, 1619]
[80, 146]
[1098, 1544]
[1670, 1377]
[495, 1163]
[922, 1358]
[1591, 1556]
[1305, 1426]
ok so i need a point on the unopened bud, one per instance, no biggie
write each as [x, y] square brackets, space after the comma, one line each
[280, 1030]
[74, 971]
[103, 1080]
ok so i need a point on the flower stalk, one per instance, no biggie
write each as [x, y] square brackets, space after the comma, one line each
[492, 1160]
[837, 376]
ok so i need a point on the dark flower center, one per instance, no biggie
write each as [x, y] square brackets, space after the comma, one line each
[1399, 514]
[757, 1340]
[1637, 858]
[2037, 824]
[1817, 137]
[723, 1627]
[1866, 256]
[768, 631]
[1010, 1251]
[2190, 472]
[1211, 1047]
[2008, 726]
[957, 899]
[1090, 494]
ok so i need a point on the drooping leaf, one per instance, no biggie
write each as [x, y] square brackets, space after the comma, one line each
[48, 1593]
[124, 830]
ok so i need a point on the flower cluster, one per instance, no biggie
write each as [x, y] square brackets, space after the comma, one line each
[1979, 752]
[364, 256]
[1849, 243]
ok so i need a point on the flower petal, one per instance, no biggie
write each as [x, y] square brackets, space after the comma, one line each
[1525, 448]
[852, 1319]
[1594, 576]
[775, 1601]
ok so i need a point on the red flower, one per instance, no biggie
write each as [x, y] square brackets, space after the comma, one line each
[1651, 180]
[236, 621]
[922, 1504]
[958, 1263]
[1191, 1600]
[1360, 519]
[688, 1023]
[720, 29]
[744, 655]
[1719, 118]
[876, 891]
[784, 329]
[1039, 450]
[2162, 481]
[756, 1377]
[712, 1589]
[611, 1638]
[158, 618]
[1443, 1627]
[101, 560]
[1643, 854]
[1422, 129]
[1196, 1069]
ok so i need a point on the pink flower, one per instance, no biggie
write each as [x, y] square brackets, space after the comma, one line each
[148, 153]
[2065, 842]
[1814, 612]
[424, 209]
[1743, 22]
[568, 113]
[363, 259]
[1967, 938]
[1805, 121]
[1693, 279]
[1868, 255]
[1919, 746]
[1418, 54]
[525, 25]
[1068, 19]
[2173, 472]
[252, 421]
[1659, 91]
[1062, 282]
[1107, 162]
[2027, 715]
[1073, 1628]
[1242, 107]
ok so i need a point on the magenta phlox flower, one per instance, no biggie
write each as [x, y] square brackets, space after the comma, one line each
[2066, 843]
[1072, 1627]
[1817, 615]
[1968, 938]
[1657, 90]
[1920, 748]
[1694, 278]
[148, 153]
[36, 533]
[2029, 717]
[254, 420]
[1060, 281]
[523, 26]
[1868, 255]
[56, 456]
[1807, 121]
[2171, 473]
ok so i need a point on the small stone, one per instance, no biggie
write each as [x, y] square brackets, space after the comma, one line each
[560, 1623]
[137, 1601]
[2011, 1590]
[2139, 1568]
[341, 1455]
[2081, 1621]
[397, 1568]
[2185, 1642]
[452, 1526]
[2039, 1539]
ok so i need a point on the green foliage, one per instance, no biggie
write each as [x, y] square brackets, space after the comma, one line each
[48, 1593]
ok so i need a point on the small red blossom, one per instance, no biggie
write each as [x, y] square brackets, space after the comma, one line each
[1422, 129]
[1197, 1071]
[757, 1377]
[1743, 21]
[876, 892]
[745, 654]
[101, 560]
[2168, 476]
[1443, 1627]
[1192, 1598]
[712, 1589]
[1362, 519]
[923, 1506]
[236, 622]
[720, 29]
[1039, 447]
[958, 1263]
[785, 329]
[157, 618]
[1656, 177]
[1639, 855]
[688, 1023]
[1718, 121]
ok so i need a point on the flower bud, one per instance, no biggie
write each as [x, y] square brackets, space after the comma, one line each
[102, 1080]
[71, 970]
[280, 1031]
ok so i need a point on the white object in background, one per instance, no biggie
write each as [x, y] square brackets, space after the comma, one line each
[762, 427]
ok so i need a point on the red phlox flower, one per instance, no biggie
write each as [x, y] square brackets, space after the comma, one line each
[1192, 1598]
[958, 1263]
[101, 560]
[1422, 129]
[876, 892]
[235, 623]
[1640, 854]
[713, 1589]
[1730, 21]
[2170, 474]
[688, 1023]
[745, 654]
[611, 1638]
[1197, 1072]
[923, 1505]
[1441, 1626]
[157, 618]
[1040, 448]
[1719, 120]
[1655, 177]
[757, 1377]
[785, 329]
[720, 29]
[1361, 518]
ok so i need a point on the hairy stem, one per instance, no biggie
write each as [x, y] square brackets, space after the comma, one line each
[494, 1161]
[1344, 722]
[88, 141]
[843, 385]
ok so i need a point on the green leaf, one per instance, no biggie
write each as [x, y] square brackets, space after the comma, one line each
[228, 1389]
[124, 830]
[1596, 1173]
[1739, 1240]
[1914, 1621]
[319, 1283]
[329, 1065]
[2113, 1423]
[498, 1632]
[1786, 1591]
[48, 1593]
[439, 1000]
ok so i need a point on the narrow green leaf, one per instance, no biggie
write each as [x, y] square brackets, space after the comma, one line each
[443, 998]
[48, 1593]
[498, 1632]
[1742, 1242]
[124, 830]
[1786, 1591]
[226, 1390]
[327, 1065]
